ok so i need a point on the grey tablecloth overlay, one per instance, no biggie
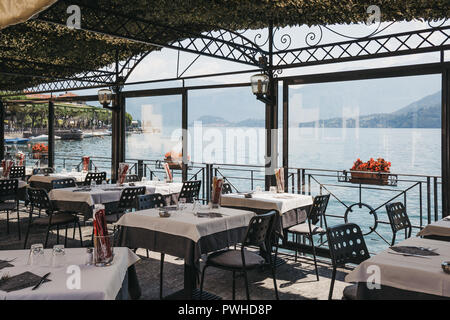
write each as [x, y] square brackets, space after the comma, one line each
[417, 274]
[97, 283]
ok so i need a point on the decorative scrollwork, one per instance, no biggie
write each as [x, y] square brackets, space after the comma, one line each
[315, 37]
[277, 72]
[436, 23]
[280, 43]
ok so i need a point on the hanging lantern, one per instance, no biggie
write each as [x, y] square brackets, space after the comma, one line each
[260, 84]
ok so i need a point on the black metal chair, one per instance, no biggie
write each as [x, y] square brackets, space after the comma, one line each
[63, 183]
[226, 189]
[39, 199]
[43, 171]
[17, 172]
[98, 177]
[127, 202]
[398, 219]
[310, 229]
[259, 233]
[131, 178]
[150, 201]
[347, 245]
[190, 190]
[9, 200]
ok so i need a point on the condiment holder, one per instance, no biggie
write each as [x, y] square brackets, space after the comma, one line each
[446, 266]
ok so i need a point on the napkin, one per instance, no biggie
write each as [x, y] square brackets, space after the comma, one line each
[418, 251]
[20, 281]
[5, 264]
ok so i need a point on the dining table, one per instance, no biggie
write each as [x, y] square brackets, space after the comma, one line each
[187, 233]
[70, 280]
[83, 199]
[292, 208]
[438, 230]
[44, 181]
[409, 270]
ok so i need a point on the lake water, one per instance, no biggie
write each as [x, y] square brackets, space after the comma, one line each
[411, 151]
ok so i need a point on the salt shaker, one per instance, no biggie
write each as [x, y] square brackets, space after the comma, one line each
[89, 256]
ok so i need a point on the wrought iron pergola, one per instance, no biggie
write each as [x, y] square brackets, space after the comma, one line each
[268, 56]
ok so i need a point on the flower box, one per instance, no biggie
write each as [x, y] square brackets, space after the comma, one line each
[369, 178]
[370, 172]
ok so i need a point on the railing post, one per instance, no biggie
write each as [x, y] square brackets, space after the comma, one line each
[140, 169]
[51, 134]
[435, 184]
[428, 200]
[2, 130]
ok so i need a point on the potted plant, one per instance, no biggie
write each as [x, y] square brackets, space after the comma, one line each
[370, 172]
[174, 160]
[39, 150]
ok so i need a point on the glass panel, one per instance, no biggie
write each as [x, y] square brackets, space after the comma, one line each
[153, 131]
[397, 119]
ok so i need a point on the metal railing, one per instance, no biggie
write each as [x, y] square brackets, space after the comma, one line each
[419, 193]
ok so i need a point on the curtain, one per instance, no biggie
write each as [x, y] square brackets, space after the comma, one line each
[17, 11]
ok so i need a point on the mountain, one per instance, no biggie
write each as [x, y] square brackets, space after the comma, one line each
[424, 113]
[221, 122]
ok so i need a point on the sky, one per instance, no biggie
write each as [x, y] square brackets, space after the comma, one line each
[163, 64]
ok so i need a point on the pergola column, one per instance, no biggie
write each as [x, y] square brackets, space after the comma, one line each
[2, 130]
[51, 134]
[445, 161]
[118, 134]
[184, 125]
[271, 120]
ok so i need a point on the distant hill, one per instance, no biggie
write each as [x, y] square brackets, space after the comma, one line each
[424, 113]
[221, 122]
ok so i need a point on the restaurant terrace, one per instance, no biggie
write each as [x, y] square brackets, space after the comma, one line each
[172, 228]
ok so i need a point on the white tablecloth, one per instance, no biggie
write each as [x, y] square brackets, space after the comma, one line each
[282, 202]
[108, 193]
[97, 283]
[160, 187]
[417, 274]
[185, 223]
[77, 176]
[98, 195]
[439, 228]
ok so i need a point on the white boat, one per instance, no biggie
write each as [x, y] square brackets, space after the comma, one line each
[43, 137]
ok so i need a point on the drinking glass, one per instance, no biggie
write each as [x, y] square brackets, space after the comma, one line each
[258, 189]
[73, 170]
[104, 184]
[36, 257]
[182, 204]
[144, 180]
[93, 184]
[58, 256]
[63, 170]
[273, 189]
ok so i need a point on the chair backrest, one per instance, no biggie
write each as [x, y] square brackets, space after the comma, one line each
[131, 178]
[8, 189]
[150, 201]
[39, 199]
[98, 177]
[398, 218]
[318, 209]
[260, 229]
[226, 189]
[347, 245]
[128, 198]
[190, 190]
[63, 183]
[43, 170]
[17, 172]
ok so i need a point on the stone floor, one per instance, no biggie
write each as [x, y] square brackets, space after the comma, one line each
[296, 280]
